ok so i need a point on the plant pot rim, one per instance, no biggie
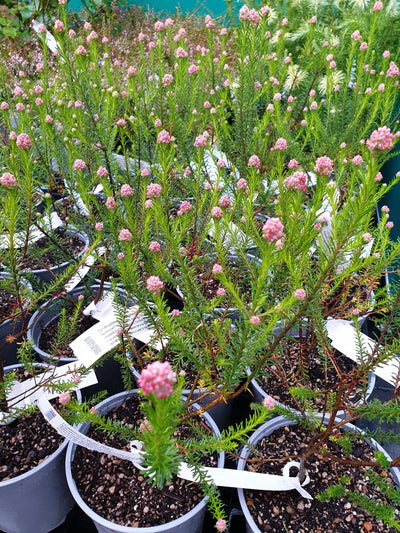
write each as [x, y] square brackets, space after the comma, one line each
[103, 521]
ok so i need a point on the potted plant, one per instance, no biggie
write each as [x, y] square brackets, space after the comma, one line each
[260, 137]
[166, 446]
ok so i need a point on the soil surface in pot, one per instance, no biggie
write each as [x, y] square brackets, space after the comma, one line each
[116, 490]
[46, 254]
[238, 273]
[289, 512]
[289, 365]
[353, 295]
[27, 441]
[8, 304]
[189, 370]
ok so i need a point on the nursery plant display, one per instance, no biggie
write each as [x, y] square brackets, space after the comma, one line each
[227, 178]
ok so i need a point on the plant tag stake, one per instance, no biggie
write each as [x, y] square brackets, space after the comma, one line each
[220, 476]
[235, 235]
[103, 309]
[50, 40]
[81, 272]
[35, 234]
[344, 338]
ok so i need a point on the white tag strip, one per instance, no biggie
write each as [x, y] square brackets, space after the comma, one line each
[48, 224]
[67, 431]
[221, 477]
[24, 393]
[344, 338]
[132, 165]
[226, 477]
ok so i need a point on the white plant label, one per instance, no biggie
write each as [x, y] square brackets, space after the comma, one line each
[103, 337]
[222, 477]
[344, 338]
[47, 223]
[50, 40]
[83, 270]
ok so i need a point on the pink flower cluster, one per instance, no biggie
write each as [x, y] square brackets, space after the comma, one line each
[79, 164]
[242, 185]
[164, 137]
[300, 294]
[8, 180]
[251, 15]
[126, 190]
[216, 212]
[217, 268]
[356, 35]
[158, 378]
[254, 161]
[64, 398]
[154, 284]
[154, 246]
[102, 172]
[167, 79]
[393, 70]
[125, 235]
[185, 207]
[153, 190]
[297, 181]
[357, 160]
[220, 525]
[59, 26]
[81, 51]
[269, 402]
[111, 203]
[381, 139]
[273, 229]
[180, 52]
[132, 71]
[23, 141]
[224, 201]
[324, 165]
[281, 145]
[378, 6]
[193, 69]
[201, 141]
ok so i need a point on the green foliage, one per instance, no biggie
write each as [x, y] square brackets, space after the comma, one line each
[345, 441]
[16, 17]
[384, 512]
[380, 411]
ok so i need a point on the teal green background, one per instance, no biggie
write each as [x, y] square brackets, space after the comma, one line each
[202, 7]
